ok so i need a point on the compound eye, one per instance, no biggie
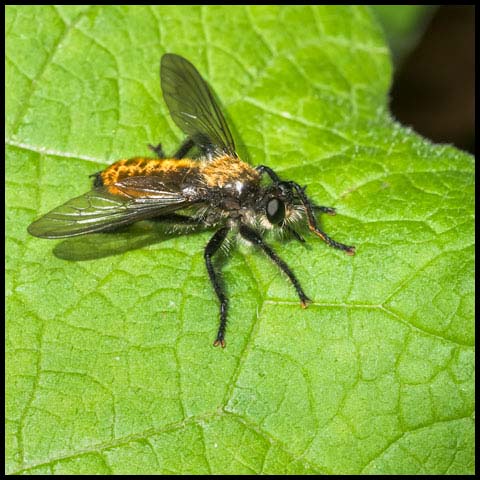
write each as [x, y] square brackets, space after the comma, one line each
[275, 211]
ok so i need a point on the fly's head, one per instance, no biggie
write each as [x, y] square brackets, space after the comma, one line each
[280, 206]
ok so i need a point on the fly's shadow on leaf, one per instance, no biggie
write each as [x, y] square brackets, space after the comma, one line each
[120, 240]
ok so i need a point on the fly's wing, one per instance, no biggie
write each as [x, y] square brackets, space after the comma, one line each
[192, 105]
[99, 210]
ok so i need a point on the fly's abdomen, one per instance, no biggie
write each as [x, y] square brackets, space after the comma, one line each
[172, 173]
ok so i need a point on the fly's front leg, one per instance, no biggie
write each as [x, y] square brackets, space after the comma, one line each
[97, 179]
[276, 179]
[264, 169]
[212, 246]
[255, 238]
[294, 234]
[185, 147]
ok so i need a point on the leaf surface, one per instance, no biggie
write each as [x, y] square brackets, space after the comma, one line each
[110, 361]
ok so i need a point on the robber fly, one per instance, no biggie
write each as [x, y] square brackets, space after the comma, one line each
[217, 190]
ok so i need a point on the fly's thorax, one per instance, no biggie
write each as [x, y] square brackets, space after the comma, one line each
[229, 184]
[228, 172]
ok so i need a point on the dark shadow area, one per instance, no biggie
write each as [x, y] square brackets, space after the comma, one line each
[139, 235]
[434, 88]
[132, 237]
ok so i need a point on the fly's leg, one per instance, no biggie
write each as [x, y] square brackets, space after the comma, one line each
[212, 246]
[328, 210]
[186, 223]
[158, 150]
[97, 180]
[184, 148]
[264, 169]
[294, 234]
[349, 250]
[309, 209]
[253, 237]
[171, 218]
[176, 218]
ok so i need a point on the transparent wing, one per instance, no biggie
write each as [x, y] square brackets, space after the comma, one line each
[99, 210]
[192, 105]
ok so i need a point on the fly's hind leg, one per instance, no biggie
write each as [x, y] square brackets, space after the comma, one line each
[212, 246]
[264, 169]
[158, 150]
[176, 218]
[294, 234]
[184, 223]
[184, 148]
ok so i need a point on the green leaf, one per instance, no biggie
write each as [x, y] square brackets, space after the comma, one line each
[403, 25]
[111, 367]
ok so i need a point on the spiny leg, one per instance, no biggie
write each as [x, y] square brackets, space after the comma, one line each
[317, 208]
[184, 148]
[185, 223]
[329, 210]
[294, 234]
[348, 249]
[177, 218]
[252, 236]
[212, 246]
[264, 169]
[158, 150]
[276, 179]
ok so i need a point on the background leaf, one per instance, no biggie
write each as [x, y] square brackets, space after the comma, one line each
[110, 361]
